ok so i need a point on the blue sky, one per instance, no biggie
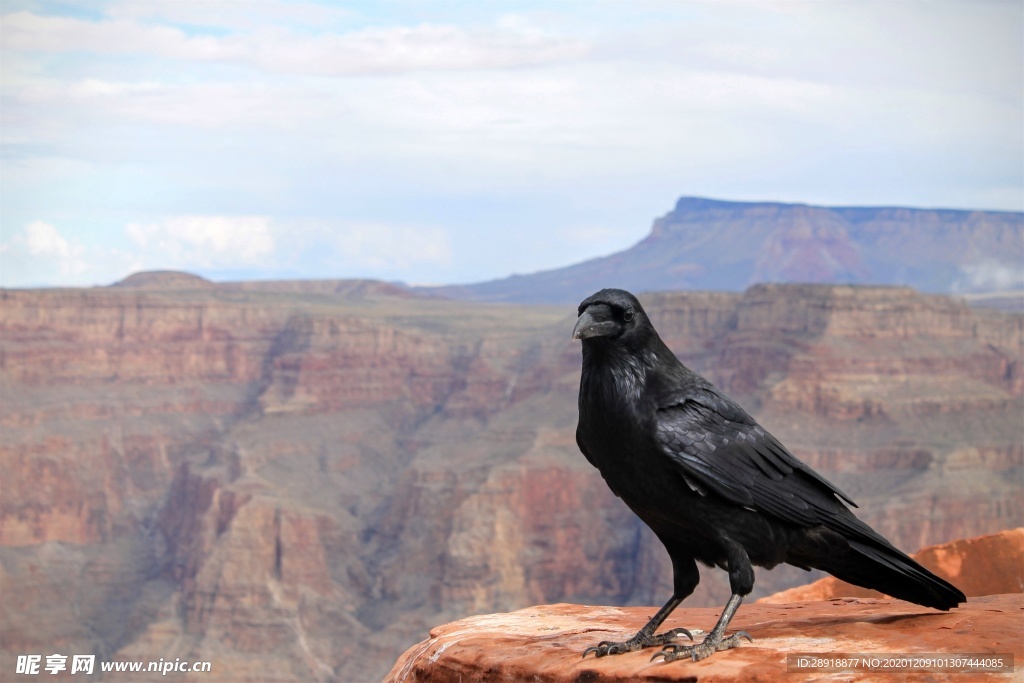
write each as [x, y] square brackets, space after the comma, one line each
[444, 142]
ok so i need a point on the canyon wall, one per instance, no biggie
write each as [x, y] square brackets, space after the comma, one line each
[297, 481]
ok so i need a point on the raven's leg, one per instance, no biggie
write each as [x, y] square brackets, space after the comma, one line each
[644, 637]
[712, 642]
[684, 579]
[741, 581]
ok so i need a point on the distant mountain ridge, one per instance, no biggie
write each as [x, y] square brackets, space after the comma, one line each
[709, 244]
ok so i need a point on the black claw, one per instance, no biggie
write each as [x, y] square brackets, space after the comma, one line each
[605, 647]
[638, 642]
[683, 632]
[670, 652]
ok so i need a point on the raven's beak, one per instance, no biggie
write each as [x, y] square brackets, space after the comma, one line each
[595, 321]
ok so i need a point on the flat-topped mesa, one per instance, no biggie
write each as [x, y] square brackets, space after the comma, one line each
[164, 279]
[726, 245]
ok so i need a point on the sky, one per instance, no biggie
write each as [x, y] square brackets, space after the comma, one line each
[452, 142]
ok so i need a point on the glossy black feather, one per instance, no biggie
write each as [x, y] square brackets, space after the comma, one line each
[712, 483]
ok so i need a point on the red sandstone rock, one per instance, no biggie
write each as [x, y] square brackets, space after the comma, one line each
[986, 565]
[544, 644]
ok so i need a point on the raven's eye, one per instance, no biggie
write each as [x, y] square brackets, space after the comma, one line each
[628, 315]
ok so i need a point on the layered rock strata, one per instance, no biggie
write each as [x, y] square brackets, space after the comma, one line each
[297, 482]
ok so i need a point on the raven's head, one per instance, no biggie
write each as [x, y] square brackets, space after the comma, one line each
[612, 315]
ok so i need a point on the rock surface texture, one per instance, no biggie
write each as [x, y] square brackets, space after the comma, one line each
[826, 617]
[543, 644]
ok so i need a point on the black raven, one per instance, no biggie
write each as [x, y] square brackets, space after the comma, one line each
[712, 484]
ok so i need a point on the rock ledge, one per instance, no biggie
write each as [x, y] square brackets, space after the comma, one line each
[543, 644]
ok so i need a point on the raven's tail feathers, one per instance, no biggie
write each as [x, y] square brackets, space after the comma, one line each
[889, 571]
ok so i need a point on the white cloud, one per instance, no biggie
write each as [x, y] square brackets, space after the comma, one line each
[288, 248]
[415, 48]
[230, 15]
[375, 50]
[385, 246]
[62, 105]
[711, 95]
[42, 239]
[40, 254]
[205, 241]
[25, 31]
[227, 246]
[990, 276]
[426, 113]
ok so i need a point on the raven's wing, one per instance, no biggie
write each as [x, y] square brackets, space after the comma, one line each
[721, 450]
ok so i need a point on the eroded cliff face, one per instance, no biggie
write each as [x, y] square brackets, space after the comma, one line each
[297, 482]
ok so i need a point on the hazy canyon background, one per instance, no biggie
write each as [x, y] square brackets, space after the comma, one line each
[295, 480]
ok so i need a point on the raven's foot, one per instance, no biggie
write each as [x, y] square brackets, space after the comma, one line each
[637, 642]
[702, 650]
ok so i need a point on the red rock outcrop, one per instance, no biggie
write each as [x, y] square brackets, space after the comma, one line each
[825, 617]
[545, 643]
